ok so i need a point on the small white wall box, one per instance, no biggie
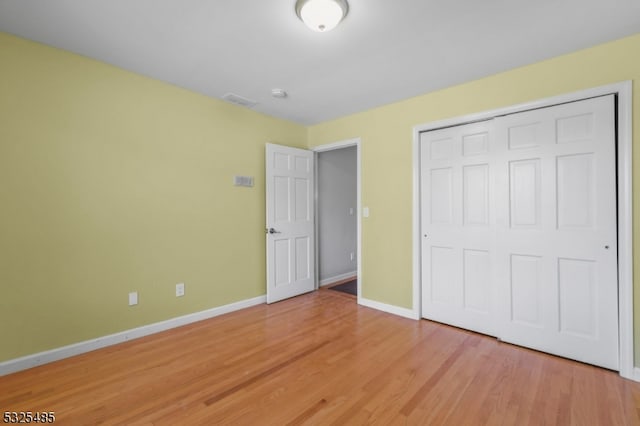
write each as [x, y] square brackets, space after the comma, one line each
[179, 289]
[243, 181]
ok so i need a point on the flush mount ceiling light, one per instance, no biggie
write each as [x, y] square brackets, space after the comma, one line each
[321, 15]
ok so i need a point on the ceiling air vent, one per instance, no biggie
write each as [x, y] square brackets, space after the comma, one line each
[239, 100]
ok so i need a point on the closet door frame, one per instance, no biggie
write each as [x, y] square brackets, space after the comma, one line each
[623, 92]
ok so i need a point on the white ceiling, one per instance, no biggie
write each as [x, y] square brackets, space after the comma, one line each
[384, 51]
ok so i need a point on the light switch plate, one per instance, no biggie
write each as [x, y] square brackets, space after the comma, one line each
[365, 212]
[133, 298]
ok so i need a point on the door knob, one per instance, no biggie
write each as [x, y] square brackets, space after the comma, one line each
[272, 231]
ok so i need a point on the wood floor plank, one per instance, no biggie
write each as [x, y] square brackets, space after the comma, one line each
[320, 359]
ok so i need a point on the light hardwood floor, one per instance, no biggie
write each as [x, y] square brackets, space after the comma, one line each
[321, 359]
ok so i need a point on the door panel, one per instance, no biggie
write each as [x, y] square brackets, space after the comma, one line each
[524, 186]
[559, 247]
[441, 193]
[578, 297]
[444, 288]
[477, 280]
[475, 188]
[526, 290]
[290, 209]
[457, 226]
[576, 197]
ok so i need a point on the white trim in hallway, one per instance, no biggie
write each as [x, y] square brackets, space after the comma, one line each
[336, 278]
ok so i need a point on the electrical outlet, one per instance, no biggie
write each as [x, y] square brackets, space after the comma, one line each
[133, 298]
[179, 289]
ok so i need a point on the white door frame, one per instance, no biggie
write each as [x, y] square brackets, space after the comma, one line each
[624, 92]
[331, 147]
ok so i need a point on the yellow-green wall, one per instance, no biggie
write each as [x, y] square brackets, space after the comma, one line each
[387, 162]
[111, 182]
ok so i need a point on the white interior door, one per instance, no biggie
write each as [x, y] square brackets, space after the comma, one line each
[290, 222]
[458, 226]
[557, 251]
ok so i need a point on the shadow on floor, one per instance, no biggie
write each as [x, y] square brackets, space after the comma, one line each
[350, 287]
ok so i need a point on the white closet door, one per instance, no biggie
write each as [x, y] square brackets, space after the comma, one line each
[556, 220]
[457, 226]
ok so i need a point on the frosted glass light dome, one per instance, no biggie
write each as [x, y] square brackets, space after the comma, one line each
[321, 15]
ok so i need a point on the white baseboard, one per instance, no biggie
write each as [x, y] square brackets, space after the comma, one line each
[392, 309]
[636, 374]
[29, 361]
[340, 277]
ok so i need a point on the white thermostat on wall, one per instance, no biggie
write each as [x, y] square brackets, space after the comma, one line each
[243, 181]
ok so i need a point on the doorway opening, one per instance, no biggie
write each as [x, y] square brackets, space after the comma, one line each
[337, 217]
